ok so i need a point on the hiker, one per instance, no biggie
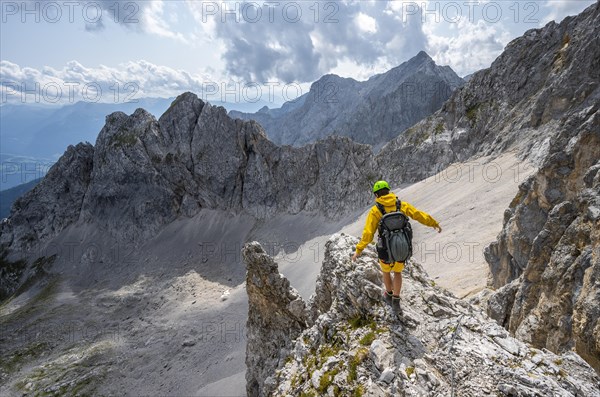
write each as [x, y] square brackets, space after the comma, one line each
[386, 203]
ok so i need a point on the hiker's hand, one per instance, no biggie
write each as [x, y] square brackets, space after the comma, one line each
[354, 257]
[438, 228]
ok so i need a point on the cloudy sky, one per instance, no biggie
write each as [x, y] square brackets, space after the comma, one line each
[239, 51]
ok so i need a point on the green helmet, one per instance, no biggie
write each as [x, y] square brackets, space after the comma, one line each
[380, 185]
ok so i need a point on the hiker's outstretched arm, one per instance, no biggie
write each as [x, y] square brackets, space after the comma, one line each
[419, 216]
[368, 232]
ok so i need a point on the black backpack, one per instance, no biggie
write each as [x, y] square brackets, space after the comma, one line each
[395, 235]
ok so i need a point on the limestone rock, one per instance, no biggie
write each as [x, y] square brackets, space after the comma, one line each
[277, 314]
[545, 263]
[360, 345]
[553, 271]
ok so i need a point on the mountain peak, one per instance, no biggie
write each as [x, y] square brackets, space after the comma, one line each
[422, 55]
[344, 106]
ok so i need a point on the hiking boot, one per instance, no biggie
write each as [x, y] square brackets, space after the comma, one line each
[387, 297]
[396, 306]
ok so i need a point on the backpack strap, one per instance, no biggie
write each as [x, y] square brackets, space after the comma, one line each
[381, 208]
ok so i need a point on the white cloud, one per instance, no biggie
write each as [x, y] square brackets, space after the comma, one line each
[278, 46]
[365, 23]
[130, 80]
[471, 46]
[154, 22]
[143, 16]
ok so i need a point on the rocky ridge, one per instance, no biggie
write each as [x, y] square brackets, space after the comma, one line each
[346, 341]
[534, 90]
[143, 174]
[373, 111]
[545, 264]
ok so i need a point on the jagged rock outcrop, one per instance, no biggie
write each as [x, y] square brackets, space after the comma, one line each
[545, 263]
[52, 204]
[438, 346]
[143, 174]
[519, 103]
[372, 111]
[276, 316]
[547, 257]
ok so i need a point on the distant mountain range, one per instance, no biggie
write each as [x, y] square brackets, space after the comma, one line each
[33, 137]
[372, 111]
[45, 132]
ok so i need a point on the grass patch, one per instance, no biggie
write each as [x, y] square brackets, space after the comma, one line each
[310, 364]
[410, 371]
[42, 296]
[357, 359]
[123, 138]
[15, 361]
[367, 339]
[360, 321]
[326, 380]
[358, 392]
[472, 113]
[438, 129]
[336, 391]
[328, 351]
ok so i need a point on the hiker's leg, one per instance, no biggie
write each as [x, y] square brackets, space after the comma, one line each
[397, 269]
[397, 283]
[387, 281]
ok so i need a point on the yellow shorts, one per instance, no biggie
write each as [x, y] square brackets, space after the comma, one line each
[389, 267]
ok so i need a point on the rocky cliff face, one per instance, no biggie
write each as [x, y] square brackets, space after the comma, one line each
[354, 344]
[273, 305]
[545, 263]
[144, 173]
[520, 103]
[372, 112]
[52, 204]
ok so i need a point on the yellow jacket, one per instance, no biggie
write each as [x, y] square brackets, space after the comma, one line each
[389, 203]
